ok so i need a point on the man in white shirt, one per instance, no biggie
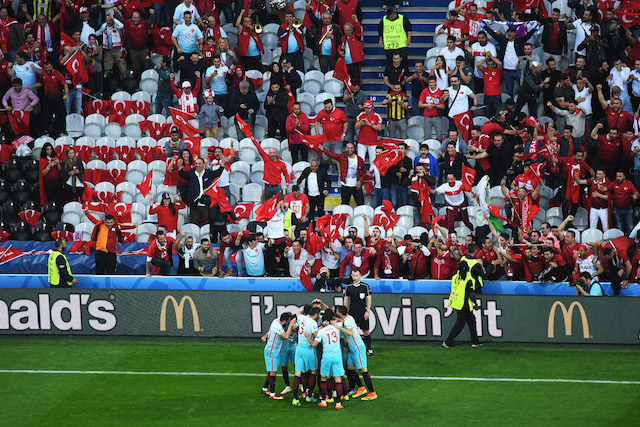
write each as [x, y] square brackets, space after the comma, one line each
[583, 90]
[456, 203]
[479, 51]
[277, 242]
[634, 78]
[458, 96]
[178, 14]
[450, 53]
[186, 37]
[85, 28]
[619, 76]
[297, 258]
[112, 32]
[584, 27]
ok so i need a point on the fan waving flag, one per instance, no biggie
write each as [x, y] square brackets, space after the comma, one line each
[426, 208]
[389, 143]
[218, 197]
[193, 144]
[268, 209]
[19, 121]
[75, 65]
[243, 210]
[145, 185]
[468, 176]
[386, 159]
[305, 276]
[244, 127]
[66, 40]
[628, 17]
[312, 141]
[464, 123]
[340, 72]
[181, 120]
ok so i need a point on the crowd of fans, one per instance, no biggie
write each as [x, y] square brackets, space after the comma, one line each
[549, 113]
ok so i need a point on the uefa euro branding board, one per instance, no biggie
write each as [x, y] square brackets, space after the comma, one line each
[410, 317]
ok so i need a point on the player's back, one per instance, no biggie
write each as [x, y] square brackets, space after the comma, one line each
[330, 338]
[306, 324]
[355, 342]
[274, 340]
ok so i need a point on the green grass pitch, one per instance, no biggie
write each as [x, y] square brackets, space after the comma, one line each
[79, 398]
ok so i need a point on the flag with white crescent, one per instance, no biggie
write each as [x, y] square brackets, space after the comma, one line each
[181, 120]
[628, 17]
[464, 123]
[75, 65]
[243, 210]
[386, 159]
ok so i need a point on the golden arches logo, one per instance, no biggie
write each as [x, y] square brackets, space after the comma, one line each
[567, 315]
[179, 309]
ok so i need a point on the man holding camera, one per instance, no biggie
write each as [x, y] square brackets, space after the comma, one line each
[588, 286]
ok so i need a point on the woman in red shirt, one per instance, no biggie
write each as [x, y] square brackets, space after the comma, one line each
[187, 161]
[50, 183]
[167, 212]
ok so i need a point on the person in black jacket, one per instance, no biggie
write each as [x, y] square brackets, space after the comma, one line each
[199, 179]
[291, 79]
[554, 36]
[510, 48]
[452, 162]
[401, 174]
[275, 106]
[530, 90]
[245, 103]
[316, 186]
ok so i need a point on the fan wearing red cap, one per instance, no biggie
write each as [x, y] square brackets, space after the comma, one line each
[369, 123]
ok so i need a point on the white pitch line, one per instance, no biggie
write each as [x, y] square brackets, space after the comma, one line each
[379, 377]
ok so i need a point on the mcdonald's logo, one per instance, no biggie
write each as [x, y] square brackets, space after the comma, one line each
[567, 315]
[179, 309]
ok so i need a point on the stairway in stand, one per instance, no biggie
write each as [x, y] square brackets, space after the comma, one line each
[424, 21]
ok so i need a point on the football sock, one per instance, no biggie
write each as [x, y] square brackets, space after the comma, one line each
[367, 341]
[266, 382]
[367, 381]
[285, 375]
[355, 379]
[331, 385]
[296, 386]
[350, 379]
[312, 382]
[323, 389]
[338, 392]
[272, 383]
[305, 381]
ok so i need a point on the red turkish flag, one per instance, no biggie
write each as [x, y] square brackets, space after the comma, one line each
[119, 111]
[145, 185]
[312, 141]
[244, 127]
[162, 43]
[243, 210]
[10, 254]
[464, 123]
[62, 234]
[340, 72]
[126, 153]
[120, 211]
[495, 210]
[426, 208]
[385, 221]
[389, 143]
[468, 176]
[603, 5]
[96, 106]
[218, 197]
[4, 235]
[268, 209]
[156, 130]
[386, 159]
[140, 107]
[305, 276]
[30, 216]
[128, 237]
[19, 121]
[523, 5]
[193, 144]
[628, 17]
[435, 221]
[181, 120]
[75, 65]
[66, 40]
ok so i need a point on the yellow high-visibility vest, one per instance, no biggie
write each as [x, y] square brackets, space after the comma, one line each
[458, 286]
[54, 273]
[393, 35]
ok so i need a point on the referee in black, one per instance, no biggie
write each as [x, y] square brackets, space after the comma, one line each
[357, 298]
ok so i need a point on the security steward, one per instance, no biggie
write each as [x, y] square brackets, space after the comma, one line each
[465, 283]
[59, 269]
[106, 234]
[394, 32]
[357, 298]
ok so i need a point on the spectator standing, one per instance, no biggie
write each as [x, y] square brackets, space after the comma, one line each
[56, 93]
[107, 235]
[368, 123]
[230, 243]
[25, 70]
[401, 173]
[614, 34]
[11, 36]
[479, 50]
[183, 8]
[394, 35]
[167, 212]
[492, 76]
[608, 149]
[160, 255]
[275, 106]
[327, 38]
[456, 29]
[584, 27]
[189, 65]
[291, 41]
[450, 53]
[186, 37]
[73, 102]
[353, 106]
[186, 248]
[456, 203]
[334, 126]
[419, 82]
[297, 124]
[174, 146]
[316, 185]
[352, 50]
[250, 48]
[430, 101]
[216, 78]
[245, 103]
[351, 171]
[395, 72]
[555, 76]
[209, 116]
[297, 258]
[554, 37]
[188, 96]
[112, 32]
[623, 196]
[72, 171]
[93, 62]
[347, 12]
[530, 89]
[439, 71]
[397, 105]
[458, 97]
[198, 180]
[164, 98]
[299, 204]
[274, 169]
[634, 78]
[136, 40]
